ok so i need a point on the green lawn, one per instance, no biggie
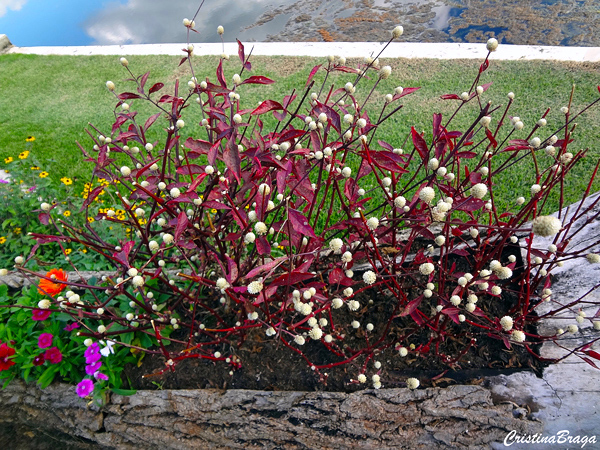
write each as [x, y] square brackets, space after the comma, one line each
[55, 97]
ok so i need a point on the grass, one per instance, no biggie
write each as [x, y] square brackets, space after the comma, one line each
[55, 97]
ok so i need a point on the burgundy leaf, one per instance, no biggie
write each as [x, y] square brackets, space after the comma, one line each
[491, 138]
[450, 97]
[150, 121]
[144, 79]
[220, 76]
[44, 218]
[405, 91]
[385, 145]
[156, 87]
[289, 279]
[120, 121]
[337, 276]
[300, 223]
[262, 246]
[231, 157]
[91, 196]
[215, 205]
[123, 255]
[190, 169]
[265, 267]
[412, 305]
[312, 74]
[437, 123]
[419, 144]
[257, 79]
[128, 95]
[241, 53]
[198, 145]
[182, 223]
[266, 106]
[484, 66]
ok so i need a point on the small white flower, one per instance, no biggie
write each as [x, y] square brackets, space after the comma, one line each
[220, 29]
[535, 142]
[299, 340]
[572, 328]
[470, 307]
[386, 181]
[541, 123]
[137, 281]
[3, 272]
[222, 283]
[255, 287]
[108, 348]
[347, 257]
[455, 300]
[507, 323]
[412, 383]
[372, 223]
[361, 378]
[19, 260]
[315, 333]
[593, 258]
[546, 226]
[270, 331]
[167, 238]
[400, 202]
[518, 336]
[337, 303]
[492, 44]
[564, 110]
[110, 85]
[369, 277]
[433, 164]
[353, 305]
[175, 192]
[511, 95]
[385, 72]
[426, 268]
[346, 172]
[504, 273]
[496, 290]
[403, 351]
[348, 291]
[440, 240]
[336, 245]
[45, 207]
[209, 170]
[427, 293]
[397, 32]
[125, 171]
[249, 238]
[101, 329]
[260, 228]
[464, 96]
[44, 304]
[479, 190]
[519, 125]
[462, 281]
[427, 194]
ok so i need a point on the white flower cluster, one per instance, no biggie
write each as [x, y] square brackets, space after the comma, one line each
[507, 323]
[426, 268]
[336, 245]
[546, 226]
[369, 277]
[255, 287]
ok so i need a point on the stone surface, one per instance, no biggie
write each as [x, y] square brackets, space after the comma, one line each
[5, 43]
[454, 417]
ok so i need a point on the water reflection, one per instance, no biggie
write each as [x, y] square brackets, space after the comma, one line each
[544, 22]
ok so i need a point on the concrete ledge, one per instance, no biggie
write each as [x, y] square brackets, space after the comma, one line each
[347, 49]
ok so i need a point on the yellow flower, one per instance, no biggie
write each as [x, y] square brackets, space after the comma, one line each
[67, 213]
[68, 251]
[83, 250]
[214, 211]
[90, 219]
[66, 181]
[17, 230]
[24, 155]
[2, 240]
[30, 139]
[8, 160]
[44, 174]
[35, 168]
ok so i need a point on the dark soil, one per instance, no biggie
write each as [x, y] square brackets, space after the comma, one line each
[268, 365]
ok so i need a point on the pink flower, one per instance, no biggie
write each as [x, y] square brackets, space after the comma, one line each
[85, 387]
[72, 326]
[40, 314]
[91, 369]
[100, 376]
[45, 340]
[53, 355]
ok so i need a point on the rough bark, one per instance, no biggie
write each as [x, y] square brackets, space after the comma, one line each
[454, 417]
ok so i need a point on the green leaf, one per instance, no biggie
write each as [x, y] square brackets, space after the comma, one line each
[124, 392]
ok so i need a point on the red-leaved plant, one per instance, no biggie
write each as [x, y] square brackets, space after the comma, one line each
[305, 228]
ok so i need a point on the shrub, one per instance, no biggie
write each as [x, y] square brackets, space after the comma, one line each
[292, 218]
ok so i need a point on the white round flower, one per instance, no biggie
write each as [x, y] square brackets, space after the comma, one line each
[44, 304]
[546, 226]
[519, 125]
[426, 268]
[511, 95]
[412, 383]
[504, 273]
[518, 336]
[209, 170]
[315, 333]
[336, 245]
[470, 307]
[386, 181]
[492, 44]
[427, 194]
[222, 283]
[535, 142]
[353, 305]
[110, 85]
[346, 172]
[348, 291]
[45, 206]
[299, 340]
[260, 228]
[369, 277]
[479, 190]
[255, 287]
[249, 238]
[397, 32]
[440, 240]
[385, 72]
[361, 378]
[125, 171]
[153, 246]
[433, 164]
[347, 257]
[400, 202]
[373, 223]
[403, 351]
[496, 290]
[455, 300]
[167, 238]
[593, 258]
[337, 303]
[19, 260]
[507, 323]
[137, 281]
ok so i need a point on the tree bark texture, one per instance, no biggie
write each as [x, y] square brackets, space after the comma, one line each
[454, 417]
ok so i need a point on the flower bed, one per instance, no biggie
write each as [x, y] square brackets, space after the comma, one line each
[293, 228]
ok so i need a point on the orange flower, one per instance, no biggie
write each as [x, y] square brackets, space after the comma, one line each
[48, 287]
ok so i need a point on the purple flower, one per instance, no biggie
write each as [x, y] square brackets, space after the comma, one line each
[100, 376]
[40, 314]
[92, 353]
[85, 387]
[45, 340]
[91, 369]
[4, 181]
[53, 355]
[72, 326]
